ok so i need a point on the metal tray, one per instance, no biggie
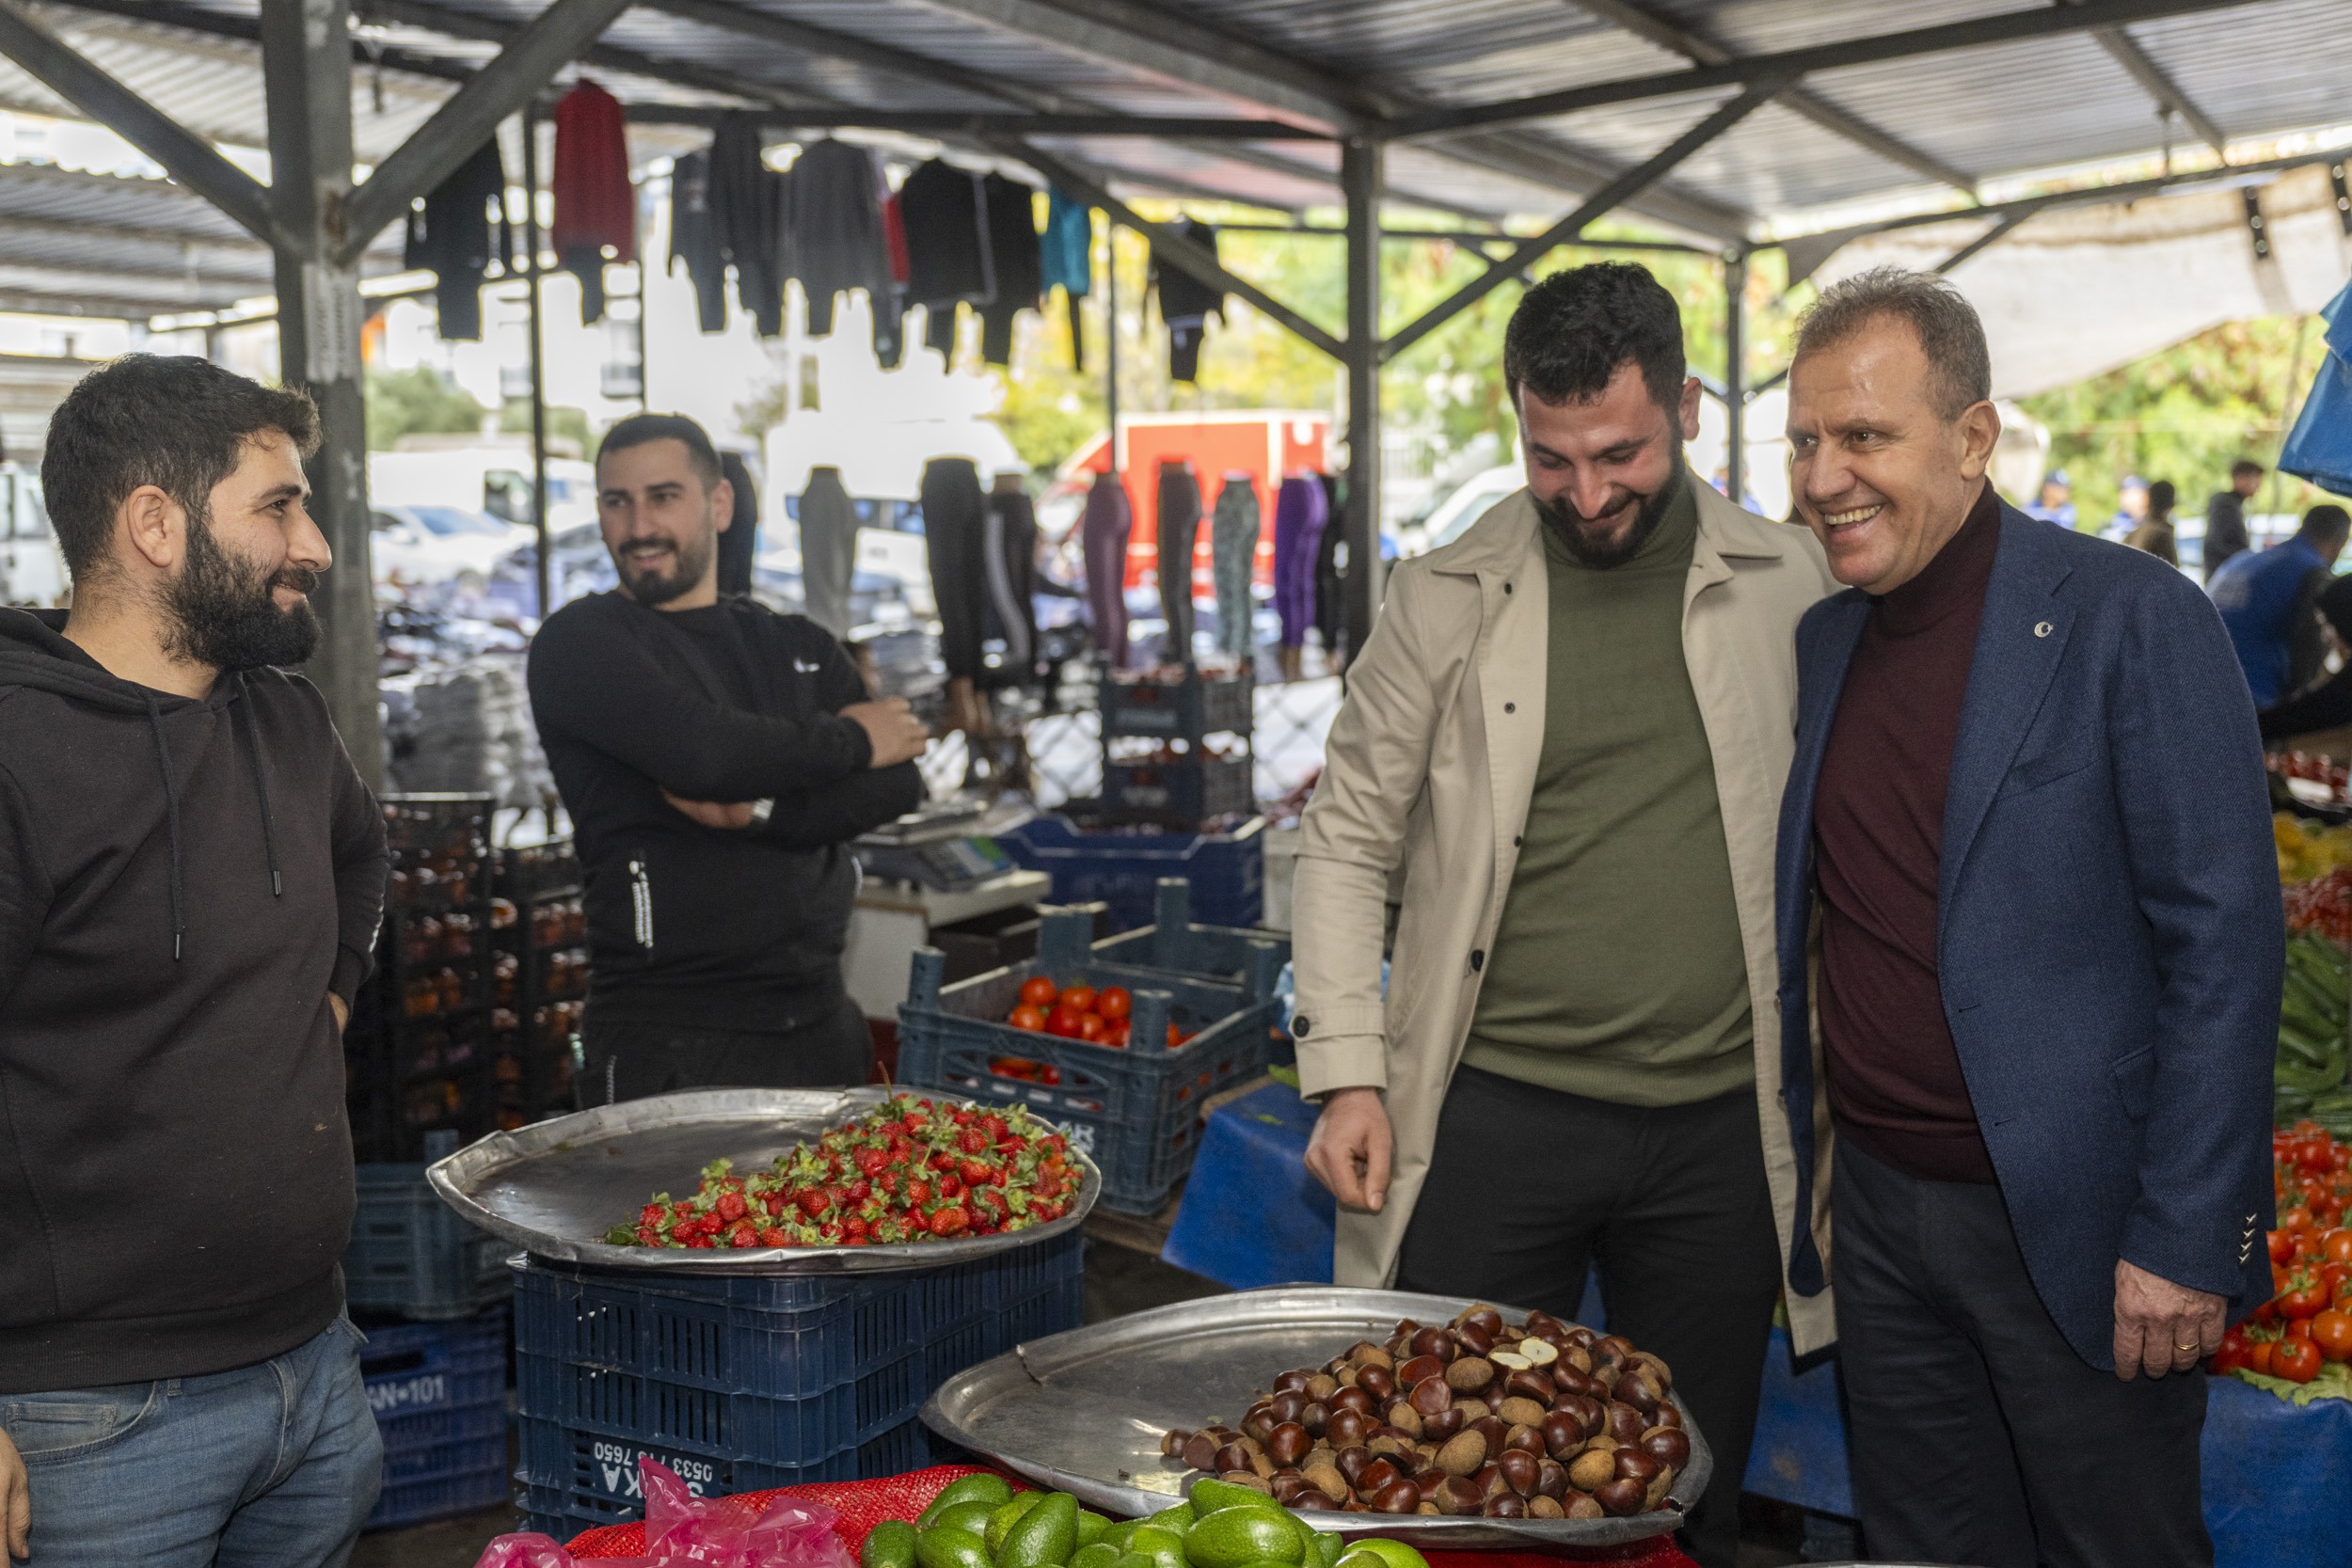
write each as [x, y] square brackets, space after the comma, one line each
[1084, 1411]
[555, 1187]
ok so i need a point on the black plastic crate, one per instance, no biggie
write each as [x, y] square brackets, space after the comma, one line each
[411, 1254]
[1189, 709]
[1182, 792]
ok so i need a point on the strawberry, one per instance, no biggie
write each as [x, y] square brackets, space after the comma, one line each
[918, 1191]
[732, 1206]
[950, 1220]
[978, 1173]
[773, 1237]
[813, 1201]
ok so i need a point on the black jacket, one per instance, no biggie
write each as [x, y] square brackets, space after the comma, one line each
[183, 882]
[689, 925]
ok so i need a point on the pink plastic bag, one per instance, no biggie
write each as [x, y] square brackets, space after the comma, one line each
[685, 1531]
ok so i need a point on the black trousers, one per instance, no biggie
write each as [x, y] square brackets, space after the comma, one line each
[1978, 1435]
[1529, 1186]
[823, 1046]
[953, 514]
[1179, 529]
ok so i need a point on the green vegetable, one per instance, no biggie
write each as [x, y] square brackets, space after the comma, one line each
[1160, 1548]
[1179, 1519]
[1233, 1537]
[1045, 1537]
[986, 1487]
[1091, 1527]
[888, 1545]
[1324, 1549]
[1209, 1496]
[1396, 1554]
[1100, 1555]
[950, 1549]
[1003, 1519]
[973, 1516]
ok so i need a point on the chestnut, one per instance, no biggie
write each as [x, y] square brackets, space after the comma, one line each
[1493, 1430]
[1442, 1425]
[1621, 1498]
[1506, 1505]
[1633, 1464]
[1541, 1507]
[1519, 1468]
[1231, 1457]
[1314, 1418]
[1347, 1428]
[1470, 1374]
[1199, 1451]
[1578, 1506]
[1552, 1479]
[1461, 1494]
[1591, 1470]
[1352, 1461]
[1614, 1347]
[1258, 1422]
[1583, 1338]
[1489, 1480]
[1564, 1434]
[1463, 1453]
[1321, 1387]
[1530, 1384]
[1540, 1323]
[1492, 1396]
[1414, 1369]
[1286, 1406]
[1668, 1445]
[1172, 1442]
[1399, 1496]
[1668, 1415]
[1292, 1382]
[1382, 1472]
[1287, 1444]
[1524, 1437]
[1287, 1487]
[1518, 1410]
[1483, 1316]
[1474, 1340]
[1432, 1484]
[1433, 1341]
[1635, 1389]
[1402, 1417]
[1377, 1383]
[1626, 1424]
[1311, 1500]
[1431, 1395]
[1354, 1399]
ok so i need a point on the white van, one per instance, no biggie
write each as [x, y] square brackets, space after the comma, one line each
[32, 567]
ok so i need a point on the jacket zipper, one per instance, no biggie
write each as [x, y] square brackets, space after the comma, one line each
[641, 902]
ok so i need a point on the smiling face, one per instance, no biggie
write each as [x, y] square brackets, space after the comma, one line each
[1880, 474]
[241, 596]
[1603, 471]
[661, 520]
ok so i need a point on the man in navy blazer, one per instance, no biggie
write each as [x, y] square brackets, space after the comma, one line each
[2027, 890]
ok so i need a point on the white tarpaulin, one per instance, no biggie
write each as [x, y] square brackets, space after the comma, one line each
[2079, 290]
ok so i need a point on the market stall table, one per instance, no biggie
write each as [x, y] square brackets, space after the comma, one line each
[1251, 1214]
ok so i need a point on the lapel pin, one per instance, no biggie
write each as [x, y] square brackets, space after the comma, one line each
[2042, 628]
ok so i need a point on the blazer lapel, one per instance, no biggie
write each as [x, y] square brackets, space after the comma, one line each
[2020, 639]
[1821, 680]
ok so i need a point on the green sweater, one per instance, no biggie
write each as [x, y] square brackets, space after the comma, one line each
[1617, 971]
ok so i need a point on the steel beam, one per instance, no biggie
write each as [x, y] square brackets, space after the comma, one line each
[2004, 27]
[1360, 180]
[1999, 231]
[2126, 52]
[1171, 246]
[1616, 194]
[951, 123]
[1736, 372]
[457, 130]
[185, 156]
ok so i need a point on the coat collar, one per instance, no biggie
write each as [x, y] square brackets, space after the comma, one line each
[1502, 540]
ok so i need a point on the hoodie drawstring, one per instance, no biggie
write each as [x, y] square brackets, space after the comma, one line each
[244, 720]
[171, 812]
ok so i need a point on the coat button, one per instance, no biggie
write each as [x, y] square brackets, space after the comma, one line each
[1478, 957]
[1300, 1024]
[2042, 628]
[1506, 588]
[1510, 707]
[1518, 839]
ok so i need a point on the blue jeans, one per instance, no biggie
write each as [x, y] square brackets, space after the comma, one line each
[273, 1466]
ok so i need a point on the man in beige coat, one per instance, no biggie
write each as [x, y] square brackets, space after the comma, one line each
[1562, 754]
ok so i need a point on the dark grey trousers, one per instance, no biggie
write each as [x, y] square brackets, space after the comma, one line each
[829, 1048]
[1528, 1187]
[1978, 1436]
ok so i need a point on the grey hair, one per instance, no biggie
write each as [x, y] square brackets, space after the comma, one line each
[1950, 333]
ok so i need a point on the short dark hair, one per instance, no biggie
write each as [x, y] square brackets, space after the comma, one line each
[644, 429]
[2163, 496]
[175, 422]
[1948, 332]
[2326, 521]
[2242, 466]
[1573, 330]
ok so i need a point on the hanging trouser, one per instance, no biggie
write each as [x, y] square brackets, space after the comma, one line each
[1103, 535]
[1330, 580]
[1179, 531]
[1010, 553]
[953, 515]
[1299, 522]
[828, 550]
[1234, 549]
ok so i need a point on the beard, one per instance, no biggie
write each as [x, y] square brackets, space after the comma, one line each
[223, 613]
[1577, 535]
[652, 587]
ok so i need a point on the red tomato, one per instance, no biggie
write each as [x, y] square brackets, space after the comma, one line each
[1039, 992]
[2336, 1246]
[1078, 999]
[2281, 1246]
[2298, 1328]
[1091, 1027]
[1175, 1037]
[1114, 1004]
[2297, 1360]
[2331, 1331]
[1029, 1017]
[2257, 1356]
[2303, 1296]
[1063, 1022]
[1117, 1034]
[2295, 1219]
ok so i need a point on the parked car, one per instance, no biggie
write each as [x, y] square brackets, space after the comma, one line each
[1447, 521]
[32, 567]
[438, 548]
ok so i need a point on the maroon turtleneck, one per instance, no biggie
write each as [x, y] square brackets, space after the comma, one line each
[1895, 1084]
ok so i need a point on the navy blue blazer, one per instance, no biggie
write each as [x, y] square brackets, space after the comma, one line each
[2108, 932]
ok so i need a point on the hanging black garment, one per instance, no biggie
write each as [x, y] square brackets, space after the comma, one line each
[1008, 551]
[1179, 531]
[944, 211]
[1014, 259]
[739, 543]
[456, 237]
[832, 227]
[1330, 580]
[694, 240]
[746, 202]
[953, 523]
[1186, 302]
[828, 522]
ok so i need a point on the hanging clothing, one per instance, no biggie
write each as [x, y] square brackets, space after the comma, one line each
[1104, 536]
[1233, 551]
[596, 206]
[1009, 548]
[1330, 580]
[828, 550]
[1013, 259]
[954, 513]
[1299, 517]
[746, 200]
[944, 210]
[694, 240]
[738, 547]
[1066, 250]
[1179, 532]
[1186, 302]
[461, 230]
[832, 227]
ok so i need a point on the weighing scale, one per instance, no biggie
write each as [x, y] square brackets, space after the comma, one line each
[939, 865]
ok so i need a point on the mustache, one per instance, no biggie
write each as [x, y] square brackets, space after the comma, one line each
[300, 579]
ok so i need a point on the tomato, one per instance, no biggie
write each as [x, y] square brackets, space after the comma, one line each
[1175, 1037]
[2297, 1360]
[1078, 999]
[1039, 992]
[1091, 1027]
[1115, 1003]
[2298, 1328]
[2281, 1246]
[2259, 1355]
[2294, 1219]
[1029, 1017]
[1063, 1020]
[1117, 1035]
[2331, 1331]
[2303, 1296]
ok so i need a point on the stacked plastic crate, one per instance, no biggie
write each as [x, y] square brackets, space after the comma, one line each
[1176, 754]
[439, 1391]
[539, 979]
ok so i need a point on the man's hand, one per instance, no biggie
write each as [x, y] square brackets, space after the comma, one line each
[341, 1011]
[16, 1501]
[1349, 1150]
[714, 814]
[898, 734]
[2161, 1327]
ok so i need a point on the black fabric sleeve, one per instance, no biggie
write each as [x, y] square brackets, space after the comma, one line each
[808, 820]
[26, 891]
[362, 864]
[593, 678]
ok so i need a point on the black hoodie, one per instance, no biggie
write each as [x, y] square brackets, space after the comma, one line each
[182, 881]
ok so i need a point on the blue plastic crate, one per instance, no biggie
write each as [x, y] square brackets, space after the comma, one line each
[419, 1502]
[439, 1391]
[1055, 1309]
[1227, 871]
[410, 1253]
[441, 1442]
[1174, 944]
[617, 1401]
[416, 1368]
[1181, 793]
[576, 1480]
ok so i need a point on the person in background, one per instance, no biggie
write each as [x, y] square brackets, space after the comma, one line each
[2225, 515]
[1558, 733]
[738, 542]
[2029, 826]
[2155, 534]
[2056, 504]
[2131, 509]
[2268, 600]
[2325, 703]
[716, 759]
[191, 873]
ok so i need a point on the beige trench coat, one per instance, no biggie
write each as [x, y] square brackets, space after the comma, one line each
[1428, 773]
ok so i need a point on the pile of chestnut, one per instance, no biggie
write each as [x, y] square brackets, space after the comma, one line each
[1547, 1420]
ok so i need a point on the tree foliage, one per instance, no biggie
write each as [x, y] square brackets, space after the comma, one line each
[417, 401]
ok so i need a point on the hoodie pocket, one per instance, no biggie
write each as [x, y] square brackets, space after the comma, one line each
[641, 904]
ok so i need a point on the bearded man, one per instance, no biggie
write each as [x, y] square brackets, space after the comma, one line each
[1567, 736]
[191, 874]
[716, 759]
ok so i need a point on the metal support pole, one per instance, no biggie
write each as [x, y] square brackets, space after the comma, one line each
[1362, 169]
[538, 368]
[1110, 341]
[1734, 370]
[306, 51]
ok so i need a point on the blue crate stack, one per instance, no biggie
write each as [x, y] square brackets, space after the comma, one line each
[1226, 871]
[410, 1253]
[740, 1385]
[439, 1391]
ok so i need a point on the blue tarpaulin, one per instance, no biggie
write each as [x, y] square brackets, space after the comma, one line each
[1251, 1214]
[2320, 448]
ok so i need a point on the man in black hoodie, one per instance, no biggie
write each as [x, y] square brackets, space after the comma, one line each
[716, 758]
[190, 879]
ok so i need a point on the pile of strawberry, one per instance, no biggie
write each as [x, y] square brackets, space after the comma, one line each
[1080, 1012]
[909, 1170]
